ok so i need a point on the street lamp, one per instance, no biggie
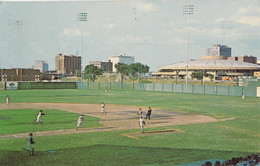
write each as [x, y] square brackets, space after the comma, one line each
[187, 10]
[82, 17]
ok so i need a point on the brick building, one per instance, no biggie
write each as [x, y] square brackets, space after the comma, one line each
[246, 58]
[19, 74]
[67, 64]
[106, 66]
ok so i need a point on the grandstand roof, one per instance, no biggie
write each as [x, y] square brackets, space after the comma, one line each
[213, 65]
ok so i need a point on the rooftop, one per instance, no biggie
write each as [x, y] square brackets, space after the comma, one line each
[213, 64]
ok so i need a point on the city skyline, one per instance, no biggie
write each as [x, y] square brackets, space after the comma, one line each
[152, 31]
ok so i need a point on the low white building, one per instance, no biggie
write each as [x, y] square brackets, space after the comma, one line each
[121, 59]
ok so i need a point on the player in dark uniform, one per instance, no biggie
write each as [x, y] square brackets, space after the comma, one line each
[30, 147]
[149, 113]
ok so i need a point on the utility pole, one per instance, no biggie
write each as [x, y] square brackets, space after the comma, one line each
[187, 10]
[82, 17]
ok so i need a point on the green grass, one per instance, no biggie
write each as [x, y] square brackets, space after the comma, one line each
[21, 121]
[220, 140]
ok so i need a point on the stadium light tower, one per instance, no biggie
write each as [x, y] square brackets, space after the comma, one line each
[187, 10]
[82, 17]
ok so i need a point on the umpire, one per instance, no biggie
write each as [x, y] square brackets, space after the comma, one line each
[149, 113]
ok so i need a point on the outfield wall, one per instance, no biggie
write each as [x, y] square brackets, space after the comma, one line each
[47, 85]
[2, 86]
[177, 88]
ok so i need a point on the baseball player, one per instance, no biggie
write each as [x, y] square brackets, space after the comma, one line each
[7, 99]
[140, 112]
[243, 96]
[30, 143]
[38, 119]
[149, 113]
[103, 111]
[79, 122]
[141, 124]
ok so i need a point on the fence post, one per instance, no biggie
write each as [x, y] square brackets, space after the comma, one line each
[228, 90]
[216, 90]
[172, 87]
[133, 86]
[110, 85]
[99, 86]
[87, 85]
[145, 86]
[204, 89]
[181, 88]
[153, 86]
[192, 88]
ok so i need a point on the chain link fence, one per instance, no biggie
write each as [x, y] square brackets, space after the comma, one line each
[176, 88]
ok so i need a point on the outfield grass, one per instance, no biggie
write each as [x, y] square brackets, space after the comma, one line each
[21, 121]
[220, 140]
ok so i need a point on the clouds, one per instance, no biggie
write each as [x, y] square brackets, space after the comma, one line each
[73, 32]
[144, 6]
[249, 15]
[249, 20]
[111, 26]
[133, 39]
[140, 28]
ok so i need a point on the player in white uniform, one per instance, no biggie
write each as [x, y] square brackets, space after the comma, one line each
[38, 119]
[79, 122]
[141, 124]
[7, 99]
[103, 111]
[140, 113]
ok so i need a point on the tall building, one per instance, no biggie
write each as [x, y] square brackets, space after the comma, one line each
[106, 66]
[219, 50]
[67, 64]
[41, 65]
[121, 59]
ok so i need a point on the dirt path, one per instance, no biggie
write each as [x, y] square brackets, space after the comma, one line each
[118, 117]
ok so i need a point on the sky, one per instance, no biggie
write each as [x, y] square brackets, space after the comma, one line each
[153, 31]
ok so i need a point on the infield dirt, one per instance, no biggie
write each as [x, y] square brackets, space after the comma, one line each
[118, 117]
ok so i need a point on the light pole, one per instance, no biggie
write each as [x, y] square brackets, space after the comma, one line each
[187, 10]
[82, 17]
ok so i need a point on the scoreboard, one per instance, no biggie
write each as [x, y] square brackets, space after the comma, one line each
[248, 81]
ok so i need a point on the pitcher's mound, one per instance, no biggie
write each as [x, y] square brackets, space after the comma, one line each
[148, 133]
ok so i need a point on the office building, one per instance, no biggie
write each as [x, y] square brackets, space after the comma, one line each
[105, 66]
[41, 65]
[67, 64]
[218, 52]
[121, 59]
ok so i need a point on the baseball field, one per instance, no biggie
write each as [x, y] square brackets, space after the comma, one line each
[184, 128]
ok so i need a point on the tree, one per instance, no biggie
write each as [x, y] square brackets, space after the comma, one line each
[211, 77]
[198, 74]
[91, 72]
[138, 70]
[123, 69]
